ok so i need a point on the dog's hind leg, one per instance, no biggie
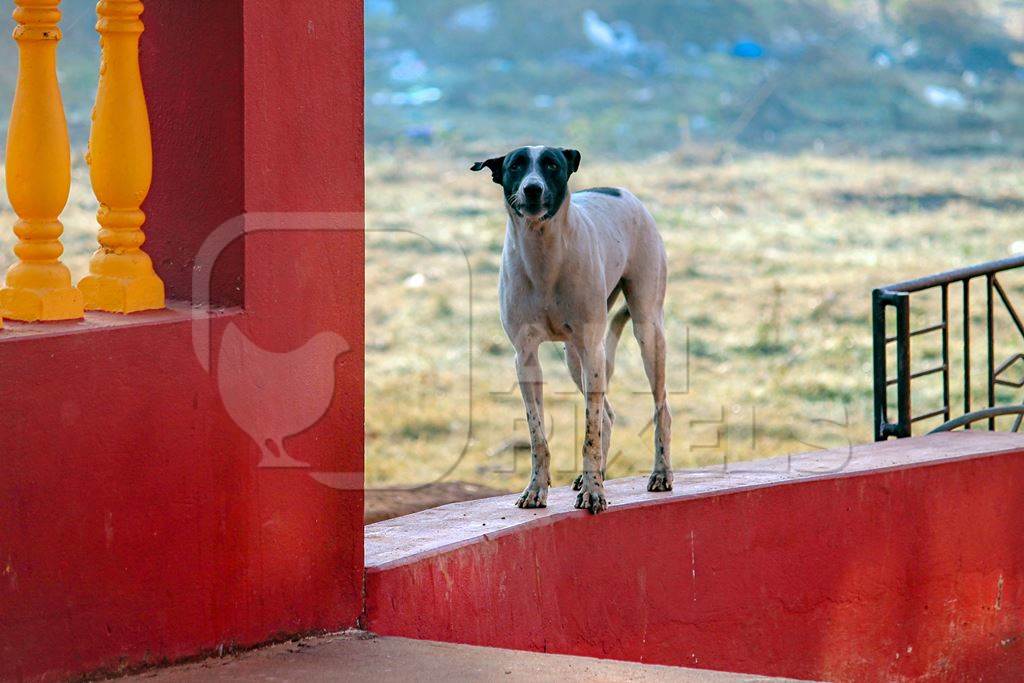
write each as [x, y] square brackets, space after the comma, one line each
[531, 384]
[611, 340]
[572, 360]
[650, 334]
[649, 330]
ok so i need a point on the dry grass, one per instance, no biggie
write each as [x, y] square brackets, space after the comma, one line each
[772, 260]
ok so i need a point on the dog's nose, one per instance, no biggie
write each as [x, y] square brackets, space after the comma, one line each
[532, 191]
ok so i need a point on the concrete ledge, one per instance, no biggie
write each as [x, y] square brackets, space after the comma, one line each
[902, 559]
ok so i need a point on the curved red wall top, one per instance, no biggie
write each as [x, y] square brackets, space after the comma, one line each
[894, 561]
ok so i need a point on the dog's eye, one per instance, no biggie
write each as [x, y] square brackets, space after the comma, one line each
[514, 166]
[551, 166]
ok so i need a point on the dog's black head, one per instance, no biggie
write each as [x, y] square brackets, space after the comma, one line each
[535, 179]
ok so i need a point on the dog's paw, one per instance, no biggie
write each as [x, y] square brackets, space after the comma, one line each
[533, 497]
[592, 498]
[661, 480]
[577, 483]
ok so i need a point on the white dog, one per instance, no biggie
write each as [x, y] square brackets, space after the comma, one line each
[564, 262]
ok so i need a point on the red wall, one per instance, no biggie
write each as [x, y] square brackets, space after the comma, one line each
[913, 573]
[136, 526]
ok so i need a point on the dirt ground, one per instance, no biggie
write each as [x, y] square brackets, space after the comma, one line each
[384, 504]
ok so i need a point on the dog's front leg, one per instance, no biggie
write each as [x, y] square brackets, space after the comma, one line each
[531, 384]
[591, 496]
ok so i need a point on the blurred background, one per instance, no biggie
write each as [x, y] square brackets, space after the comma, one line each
[795, 153]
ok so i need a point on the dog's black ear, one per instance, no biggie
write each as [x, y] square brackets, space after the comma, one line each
[573, 157]
[494, 164]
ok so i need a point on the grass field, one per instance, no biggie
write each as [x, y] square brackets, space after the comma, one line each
[771, 260]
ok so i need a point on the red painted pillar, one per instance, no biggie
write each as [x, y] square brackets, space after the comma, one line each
[303, 190]
[138, 525]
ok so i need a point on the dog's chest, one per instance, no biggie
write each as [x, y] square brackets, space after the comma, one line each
[546, 317]
[559, 327]
[555, 314]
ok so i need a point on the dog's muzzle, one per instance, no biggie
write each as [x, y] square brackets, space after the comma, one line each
[533, 198]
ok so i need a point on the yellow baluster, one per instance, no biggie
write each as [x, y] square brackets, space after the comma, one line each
[121, 277]
[38, 286]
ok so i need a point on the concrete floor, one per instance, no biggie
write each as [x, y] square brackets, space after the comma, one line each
[358, 656]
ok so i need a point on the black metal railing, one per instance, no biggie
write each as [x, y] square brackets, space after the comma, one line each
[897, 296]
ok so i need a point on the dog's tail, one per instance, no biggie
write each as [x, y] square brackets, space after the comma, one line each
[611, 339]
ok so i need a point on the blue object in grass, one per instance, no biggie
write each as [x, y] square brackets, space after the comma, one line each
[748, 49]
